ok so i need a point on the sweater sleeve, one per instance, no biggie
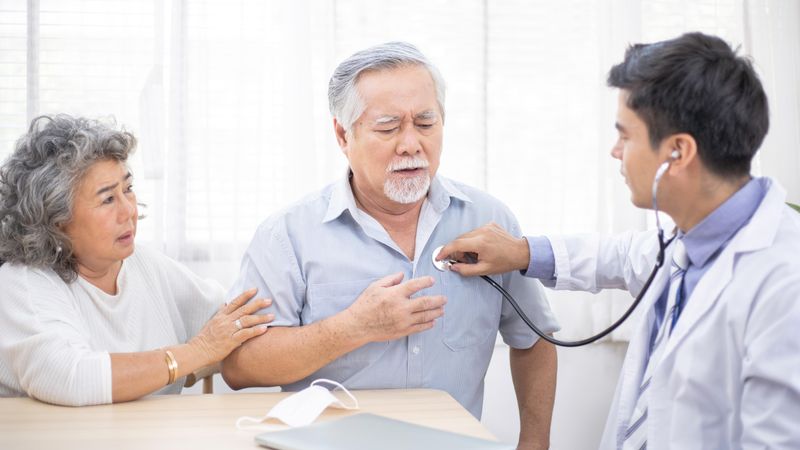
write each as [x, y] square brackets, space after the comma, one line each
[45, 344]
[197, 299]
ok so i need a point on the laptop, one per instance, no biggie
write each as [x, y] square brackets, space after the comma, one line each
[370, 432]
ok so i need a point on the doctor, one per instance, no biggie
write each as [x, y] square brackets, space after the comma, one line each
[715, 360]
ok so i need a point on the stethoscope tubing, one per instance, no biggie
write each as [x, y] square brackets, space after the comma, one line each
[510, 299]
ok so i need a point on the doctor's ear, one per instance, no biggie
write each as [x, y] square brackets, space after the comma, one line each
[683, 149]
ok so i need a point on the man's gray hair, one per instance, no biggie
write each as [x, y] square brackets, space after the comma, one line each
[346, 104]
[38, 183]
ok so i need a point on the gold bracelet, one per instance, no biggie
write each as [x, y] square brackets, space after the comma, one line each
[172, 365]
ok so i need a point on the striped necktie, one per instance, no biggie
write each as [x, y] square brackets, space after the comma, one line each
[636, 435]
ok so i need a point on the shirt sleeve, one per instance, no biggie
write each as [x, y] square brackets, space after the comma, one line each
[542, 264]
[196, 298]
[45, 344]
[270, 265]
[531, 298]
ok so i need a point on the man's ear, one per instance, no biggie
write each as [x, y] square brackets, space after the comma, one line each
[341, 135]
[686, 148]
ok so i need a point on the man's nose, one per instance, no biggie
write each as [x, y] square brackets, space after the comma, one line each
[409, 143]
[616, 150]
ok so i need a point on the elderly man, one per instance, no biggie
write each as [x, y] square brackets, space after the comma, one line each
[325, 261]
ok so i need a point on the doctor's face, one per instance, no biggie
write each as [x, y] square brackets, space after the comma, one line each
[639, 160]
[394, 146]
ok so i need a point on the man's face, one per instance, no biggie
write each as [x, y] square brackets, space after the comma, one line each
[395, 145]
[639, 160]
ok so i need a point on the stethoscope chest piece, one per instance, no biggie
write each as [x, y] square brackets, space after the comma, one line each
[443, 265]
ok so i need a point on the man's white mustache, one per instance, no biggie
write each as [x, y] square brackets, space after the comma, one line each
[407, 164]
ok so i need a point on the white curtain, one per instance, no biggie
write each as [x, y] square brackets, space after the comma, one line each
[228, 99]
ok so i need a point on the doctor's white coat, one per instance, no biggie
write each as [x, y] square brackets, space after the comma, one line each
[730, 375]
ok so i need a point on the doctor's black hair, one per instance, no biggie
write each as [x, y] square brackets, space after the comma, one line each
[696, 84]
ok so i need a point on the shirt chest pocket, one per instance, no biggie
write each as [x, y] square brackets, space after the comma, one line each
[328, 299]
[472, 314]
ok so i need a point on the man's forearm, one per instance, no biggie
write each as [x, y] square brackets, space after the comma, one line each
[287, 354]
[533, 371]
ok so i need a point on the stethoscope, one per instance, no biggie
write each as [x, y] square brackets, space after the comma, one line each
[445, 264]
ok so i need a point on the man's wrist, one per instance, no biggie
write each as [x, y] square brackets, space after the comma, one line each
[346, 326]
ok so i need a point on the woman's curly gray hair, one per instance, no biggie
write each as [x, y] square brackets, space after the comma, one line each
[38, 183]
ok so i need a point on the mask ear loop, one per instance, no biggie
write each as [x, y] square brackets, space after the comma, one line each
[337, 385]
[256, 423]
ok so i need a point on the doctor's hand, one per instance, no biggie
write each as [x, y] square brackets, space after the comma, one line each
[487, 250]
[386, 311]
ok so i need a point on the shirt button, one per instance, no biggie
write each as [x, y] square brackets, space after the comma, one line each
[415, 350]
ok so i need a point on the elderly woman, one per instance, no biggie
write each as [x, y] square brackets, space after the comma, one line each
[87, 317]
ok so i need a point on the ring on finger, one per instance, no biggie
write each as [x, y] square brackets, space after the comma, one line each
[238, 323]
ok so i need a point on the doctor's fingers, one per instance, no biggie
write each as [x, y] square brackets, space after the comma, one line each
[459, 248]
[473, 270]
[240, 300]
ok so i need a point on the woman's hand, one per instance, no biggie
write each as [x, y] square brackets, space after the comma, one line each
[231, 326]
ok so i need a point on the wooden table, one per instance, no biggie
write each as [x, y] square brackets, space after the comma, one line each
[201, 421]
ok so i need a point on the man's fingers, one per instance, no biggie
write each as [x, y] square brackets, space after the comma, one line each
[428, 315]
[389, 280]
[425, 303]
[415, 285]
[239, 301]
[414, 329]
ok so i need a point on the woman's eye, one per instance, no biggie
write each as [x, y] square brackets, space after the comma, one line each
[129, 188]
[108, 200]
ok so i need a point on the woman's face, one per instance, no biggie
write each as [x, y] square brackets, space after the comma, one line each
[104, 216]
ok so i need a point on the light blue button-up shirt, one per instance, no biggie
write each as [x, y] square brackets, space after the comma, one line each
[316, 257]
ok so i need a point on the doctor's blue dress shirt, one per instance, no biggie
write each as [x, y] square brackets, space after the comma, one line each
[703, 243]
[317, 256]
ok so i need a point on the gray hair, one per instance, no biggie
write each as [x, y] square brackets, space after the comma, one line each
[344, 101]
[38, 183]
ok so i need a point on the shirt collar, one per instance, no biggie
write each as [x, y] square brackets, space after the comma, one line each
[342, 199]
[706, 238]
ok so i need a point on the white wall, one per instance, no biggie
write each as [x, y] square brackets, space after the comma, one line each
[587, 377]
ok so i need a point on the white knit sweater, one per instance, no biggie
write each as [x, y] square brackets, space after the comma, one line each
[55, 338]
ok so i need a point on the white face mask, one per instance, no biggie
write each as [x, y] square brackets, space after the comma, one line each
[303, 408]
